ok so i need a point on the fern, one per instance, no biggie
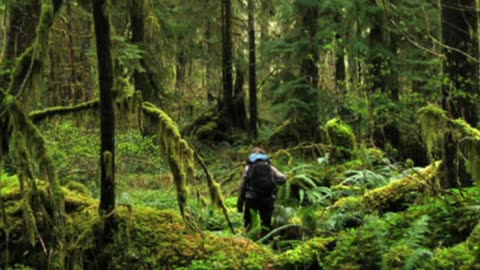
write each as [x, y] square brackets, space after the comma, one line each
[415, 258]
[365, 178]
[417, 232]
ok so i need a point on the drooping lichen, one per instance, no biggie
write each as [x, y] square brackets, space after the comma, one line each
[174, 148]
[435, 123]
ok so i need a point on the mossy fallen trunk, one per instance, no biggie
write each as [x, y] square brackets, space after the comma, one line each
[395, 196]
[146, 239]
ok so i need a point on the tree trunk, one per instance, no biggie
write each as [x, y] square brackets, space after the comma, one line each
[309, 57]
[20, 34]
[240, 114]
[252, 72]
[143, 80]
[459, 34]
[107, 120]
[391, 131]
[72, 83]
[340, 69]
[376, 59]
[227, 59]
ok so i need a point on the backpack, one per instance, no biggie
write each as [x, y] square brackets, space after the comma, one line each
[262, 182]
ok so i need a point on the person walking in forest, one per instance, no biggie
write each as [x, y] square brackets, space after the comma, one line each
[258, 190]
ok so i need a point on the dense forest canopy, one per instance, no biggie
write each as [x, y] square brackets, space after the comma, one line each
[125, 126]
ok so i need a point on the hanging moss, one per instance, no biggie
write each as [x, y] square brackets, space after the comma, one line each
[435, 123]
[174, 148]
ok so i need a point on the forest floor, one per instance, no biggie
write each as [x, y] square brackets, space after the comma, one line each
[366, 212]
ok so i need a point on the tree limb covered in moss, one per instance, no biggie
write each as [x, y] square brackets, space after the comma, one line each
[40, 115]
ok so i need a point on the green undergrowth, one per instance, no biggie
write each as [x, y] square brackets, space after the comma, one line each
[75, 151]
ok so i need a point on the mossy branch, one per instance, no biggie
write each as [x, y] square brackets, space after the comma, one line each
[175, 149]
[40, 115]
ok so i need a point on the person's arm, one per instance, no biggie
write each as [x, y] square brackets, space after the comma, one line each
[280, 178]
[243, 190]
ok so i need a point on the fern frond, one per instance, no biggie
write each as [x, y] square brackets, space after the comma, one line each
[417, 232]
[416, 257]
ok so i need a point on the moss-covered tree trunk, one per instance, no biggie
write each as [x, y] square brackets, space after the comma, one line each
[107, 120]
[143, 79]
[459, 33]
[252, 71]
[19, 35]
[23, 141]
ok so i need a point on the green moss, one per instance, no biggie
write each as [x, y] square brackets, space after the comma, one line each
[350, 202]
[308, 255]
[457, 257]
[433, 121]
[175, 149]
[207, 129]
[341, 137]
[146, 239]
[78, 188]
[396, 257]
[395, 196]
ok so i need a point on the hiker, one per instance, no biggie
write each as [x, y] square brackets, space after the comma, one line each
[259, 187]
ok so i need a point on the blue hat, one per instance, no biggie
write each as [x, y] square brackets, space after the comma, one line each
[256, 156]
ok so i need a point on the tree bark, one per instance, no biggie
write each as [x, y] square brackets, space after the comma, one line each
[240, 114]
[252, 71]
[227, 59]
[376, 59]
[307, 92]
[340, 70]
[142, 80]
[20, 34]
[107, 119]
[459, 34]
[73, 94]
